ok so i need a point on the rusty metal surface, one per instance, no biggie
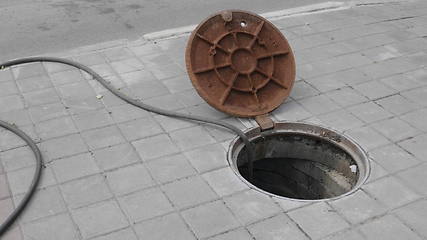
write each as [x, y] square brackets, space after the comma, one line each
[264, 122]
[240, 63]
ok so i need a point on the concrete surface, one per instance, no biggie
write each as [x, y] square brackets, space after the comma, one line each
[117, 172]
[36, 27]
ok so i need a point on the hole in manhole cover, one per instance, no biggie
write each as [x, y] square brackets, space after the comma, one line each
[302, 161]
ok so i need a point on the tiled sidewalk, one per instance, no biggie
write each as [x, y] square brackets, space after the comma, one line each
[116, 172]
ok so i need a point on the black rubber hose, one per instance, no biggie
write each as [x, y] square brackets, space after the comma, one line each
[4, 226]
[36, 178]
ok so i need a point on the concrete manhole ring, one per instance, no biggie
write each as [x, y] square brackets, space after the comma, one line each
[301, 161]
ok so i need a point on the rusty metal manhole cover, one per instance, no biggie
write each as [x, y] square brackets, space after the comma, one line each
[240, 63]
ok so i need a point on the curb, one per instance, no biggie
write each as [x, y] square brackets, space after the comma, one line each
[276, 15]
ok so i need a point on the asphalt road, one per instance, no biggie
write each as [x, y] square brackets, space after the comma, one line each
[29, 27]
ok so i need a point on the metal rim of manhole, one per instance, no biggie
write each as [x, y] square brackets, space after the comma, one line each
[240, 63]
[302, 162]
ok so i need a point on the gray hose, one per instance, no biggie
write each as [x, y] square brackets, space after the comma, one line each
[36, 178]
[12, 217]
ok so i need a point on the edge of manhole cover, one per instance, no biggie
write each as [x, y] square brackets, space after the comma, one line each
[316, 132]
[240, 63]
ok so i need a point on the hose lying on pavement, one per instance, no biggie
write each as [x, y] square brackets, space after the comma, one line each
[39, 161]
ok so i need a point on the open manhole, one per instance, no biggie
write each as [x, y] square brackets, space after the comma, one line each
[301, 161]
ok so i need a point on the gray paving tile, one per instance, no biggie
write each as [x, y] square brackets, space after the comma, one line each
[145, 49]
[75, 90]
[351, 76]
[56, 127]
[416, 146]
[346, 96]
[319, 104]
[326, 83]
[414, 215]
[42, 230]
[47, 111]
[341, 120]
[323, 220]
[387, 227]
[238, 234]
[19, 117]
[127, 65]
[302, 89]
[117, 53]
[207, 157]
[103, 69]
[224, 182]
[291, 111]
[165, 227]
[34, 83]
[374, 89]
[170, 168]
[74, 167]
[391, 192]
[46, 202]
[367, 137]
[210, 219]
[178, 84]
[99, 218]
[12, 102]
[40, 97]
[358, 207]
[388, 68]
[126, 234]
[6, 208]
[103, 137]
[155, 147]
[349, 235]
[203, 109]
[28, 70]
[168, 102]
[65, 77]
[413, 178]
[145, 204]
[190, 138]
[279, 227]
[393, 158]
[251, 206]
[129, 179]
[8, 88]
[136, 77]
[401, 82]
[9, 140]
[85, 191]
[20, 180]
[397, 104]
[140, 128]
[369, 112]
[179, 191]
[149, 89]
[289, 204]
[90, 58]
[115, 156]
[6, 75]
[93, 119]
[126, 112]
[395, 129]
[75, 106]
[417, 119]
[17, 158]
[4, 187]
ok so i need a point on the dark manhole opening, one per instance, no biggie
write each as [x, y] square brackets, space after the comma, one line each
[305, 165]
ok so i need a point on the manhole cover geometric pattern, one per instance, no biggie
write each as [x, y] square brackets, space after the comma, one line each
[240, 63]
